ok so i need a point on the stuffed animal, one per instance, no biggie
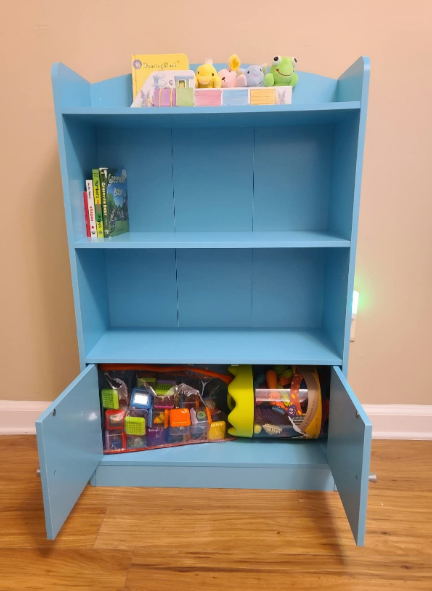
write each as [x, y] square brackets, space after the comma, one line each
[206, 76]
[254, 75]
[230, 76]
[282, 72]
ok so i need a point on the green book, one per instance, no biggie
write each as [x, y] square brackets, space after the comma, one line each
[117, 202]
[103, 173]
[98, 202]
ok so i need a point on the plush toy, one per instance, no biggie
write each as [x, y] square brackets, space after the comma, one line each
[282, 72]
[230, 76]
[254, 75]
[206, 76]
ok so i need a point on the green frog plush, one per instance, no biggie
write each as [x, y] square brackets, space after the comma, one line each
[282, 72]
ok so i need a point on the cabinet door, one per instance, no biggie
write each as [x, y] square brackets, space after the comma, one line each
[69, 443]
[348, 451]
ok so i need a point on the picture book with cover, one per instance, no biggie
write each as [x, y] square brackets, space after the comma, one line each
[144, 65]
[117, 212]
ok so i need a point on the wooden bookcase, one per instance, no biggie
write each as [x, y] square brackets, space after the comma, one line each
[242, 249]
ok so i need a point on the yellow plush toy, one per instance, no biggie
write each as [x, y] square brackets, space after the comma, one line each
[206, 76]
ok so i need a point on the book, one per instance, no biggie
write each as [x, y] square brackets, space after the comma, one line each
[166, 80]
[86, 214]
[117, 202]
[98, 202]
[145, 64]
[91, 208]
[103, 185]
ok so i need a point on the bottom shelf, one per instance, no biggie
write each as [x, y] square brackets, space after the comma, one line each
[236, 464]
[215, 345]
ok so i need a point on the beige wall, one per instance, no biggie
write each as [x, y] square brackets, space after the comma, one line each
[96, 38]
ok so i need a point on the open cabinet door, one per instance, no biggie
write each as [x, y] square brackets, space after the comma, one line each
[348, 451]
[69, 443]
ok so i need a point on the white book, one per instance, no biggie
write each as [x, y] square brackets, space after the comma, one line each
[91, 209]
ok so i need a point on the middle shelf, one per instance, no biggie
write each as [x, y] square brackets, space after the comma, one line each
[215, 345]
[288, 239]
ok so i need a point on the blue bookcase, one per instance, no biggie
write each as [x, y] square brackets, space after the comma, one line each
[242, 249]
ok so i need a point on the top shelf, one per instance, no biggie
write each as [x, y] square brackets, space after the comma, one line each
[244, 116]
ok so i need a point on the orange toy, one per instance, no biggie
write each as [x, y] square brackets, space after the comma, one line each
[272, 384]
[294, 392]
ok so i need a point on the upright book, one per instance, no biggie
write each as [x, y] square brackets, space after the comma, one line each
[117, 202]
[103, 172]
[91, 208]
[98, 202]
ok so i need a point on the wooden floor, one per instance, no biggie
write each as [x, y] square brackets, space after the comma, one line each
[225, 540]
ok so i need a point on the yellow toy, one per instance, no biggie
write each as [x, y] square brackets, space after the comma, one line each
[274, 411]
[206, 76]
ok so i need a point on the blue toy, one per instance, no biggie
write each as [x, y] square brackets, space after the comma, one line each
[142, 398]
[255, 75]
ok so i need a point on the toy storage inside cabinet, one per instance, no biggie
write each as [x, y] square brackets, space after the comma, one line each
[241, 251]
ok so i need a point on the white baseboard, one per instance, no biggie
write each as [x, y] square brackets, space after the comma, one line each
[400, 421]
[390, 421]
[17, 417]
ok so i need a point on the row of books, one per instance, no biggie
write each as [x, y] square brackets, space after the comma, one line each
[106, 203]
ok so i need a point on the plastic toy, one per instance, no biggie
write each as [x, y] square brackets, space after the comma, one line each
[206, 76]
[110, 399]
[230, 77]
[142, 398]
[114, 419]
[135, 442]
[217, 430]
[274, 411]
[115, 441]
[282, 72]
[134, 425]
[180, 421]
[200, 422]
[144, 381]
[254, 75]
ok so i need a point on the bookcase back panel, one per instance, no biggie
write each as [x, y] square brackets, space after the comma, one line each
[213, 179]
[233, 179]
[292, 175]
[141, 287]
[147, 157]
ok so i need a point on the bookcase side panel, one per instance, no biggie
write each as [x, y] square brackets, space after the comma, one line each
[336, 296]
[92, 296]
[112, 93]
[146, 154]
[354, 85]
[81, 156]
[213, 179]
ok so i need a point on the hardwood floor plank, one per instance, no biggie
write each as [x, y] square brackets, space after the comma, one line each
[25, 528]
[63, 570]
[293, 577]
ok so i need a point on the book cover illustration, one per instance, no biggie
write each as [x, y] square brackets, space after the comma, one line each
[117, 202]
[91, 208]
[98, 202]
[144, 65]
[159, 81]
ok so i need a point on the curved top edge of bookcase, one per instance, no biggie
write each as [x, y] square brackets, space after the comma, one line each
[72, 90]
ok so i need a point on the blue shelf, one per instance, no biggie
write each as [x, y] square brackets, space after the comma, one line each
[215, 345]
[293, 239]
[250, 116]
[233, 454]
